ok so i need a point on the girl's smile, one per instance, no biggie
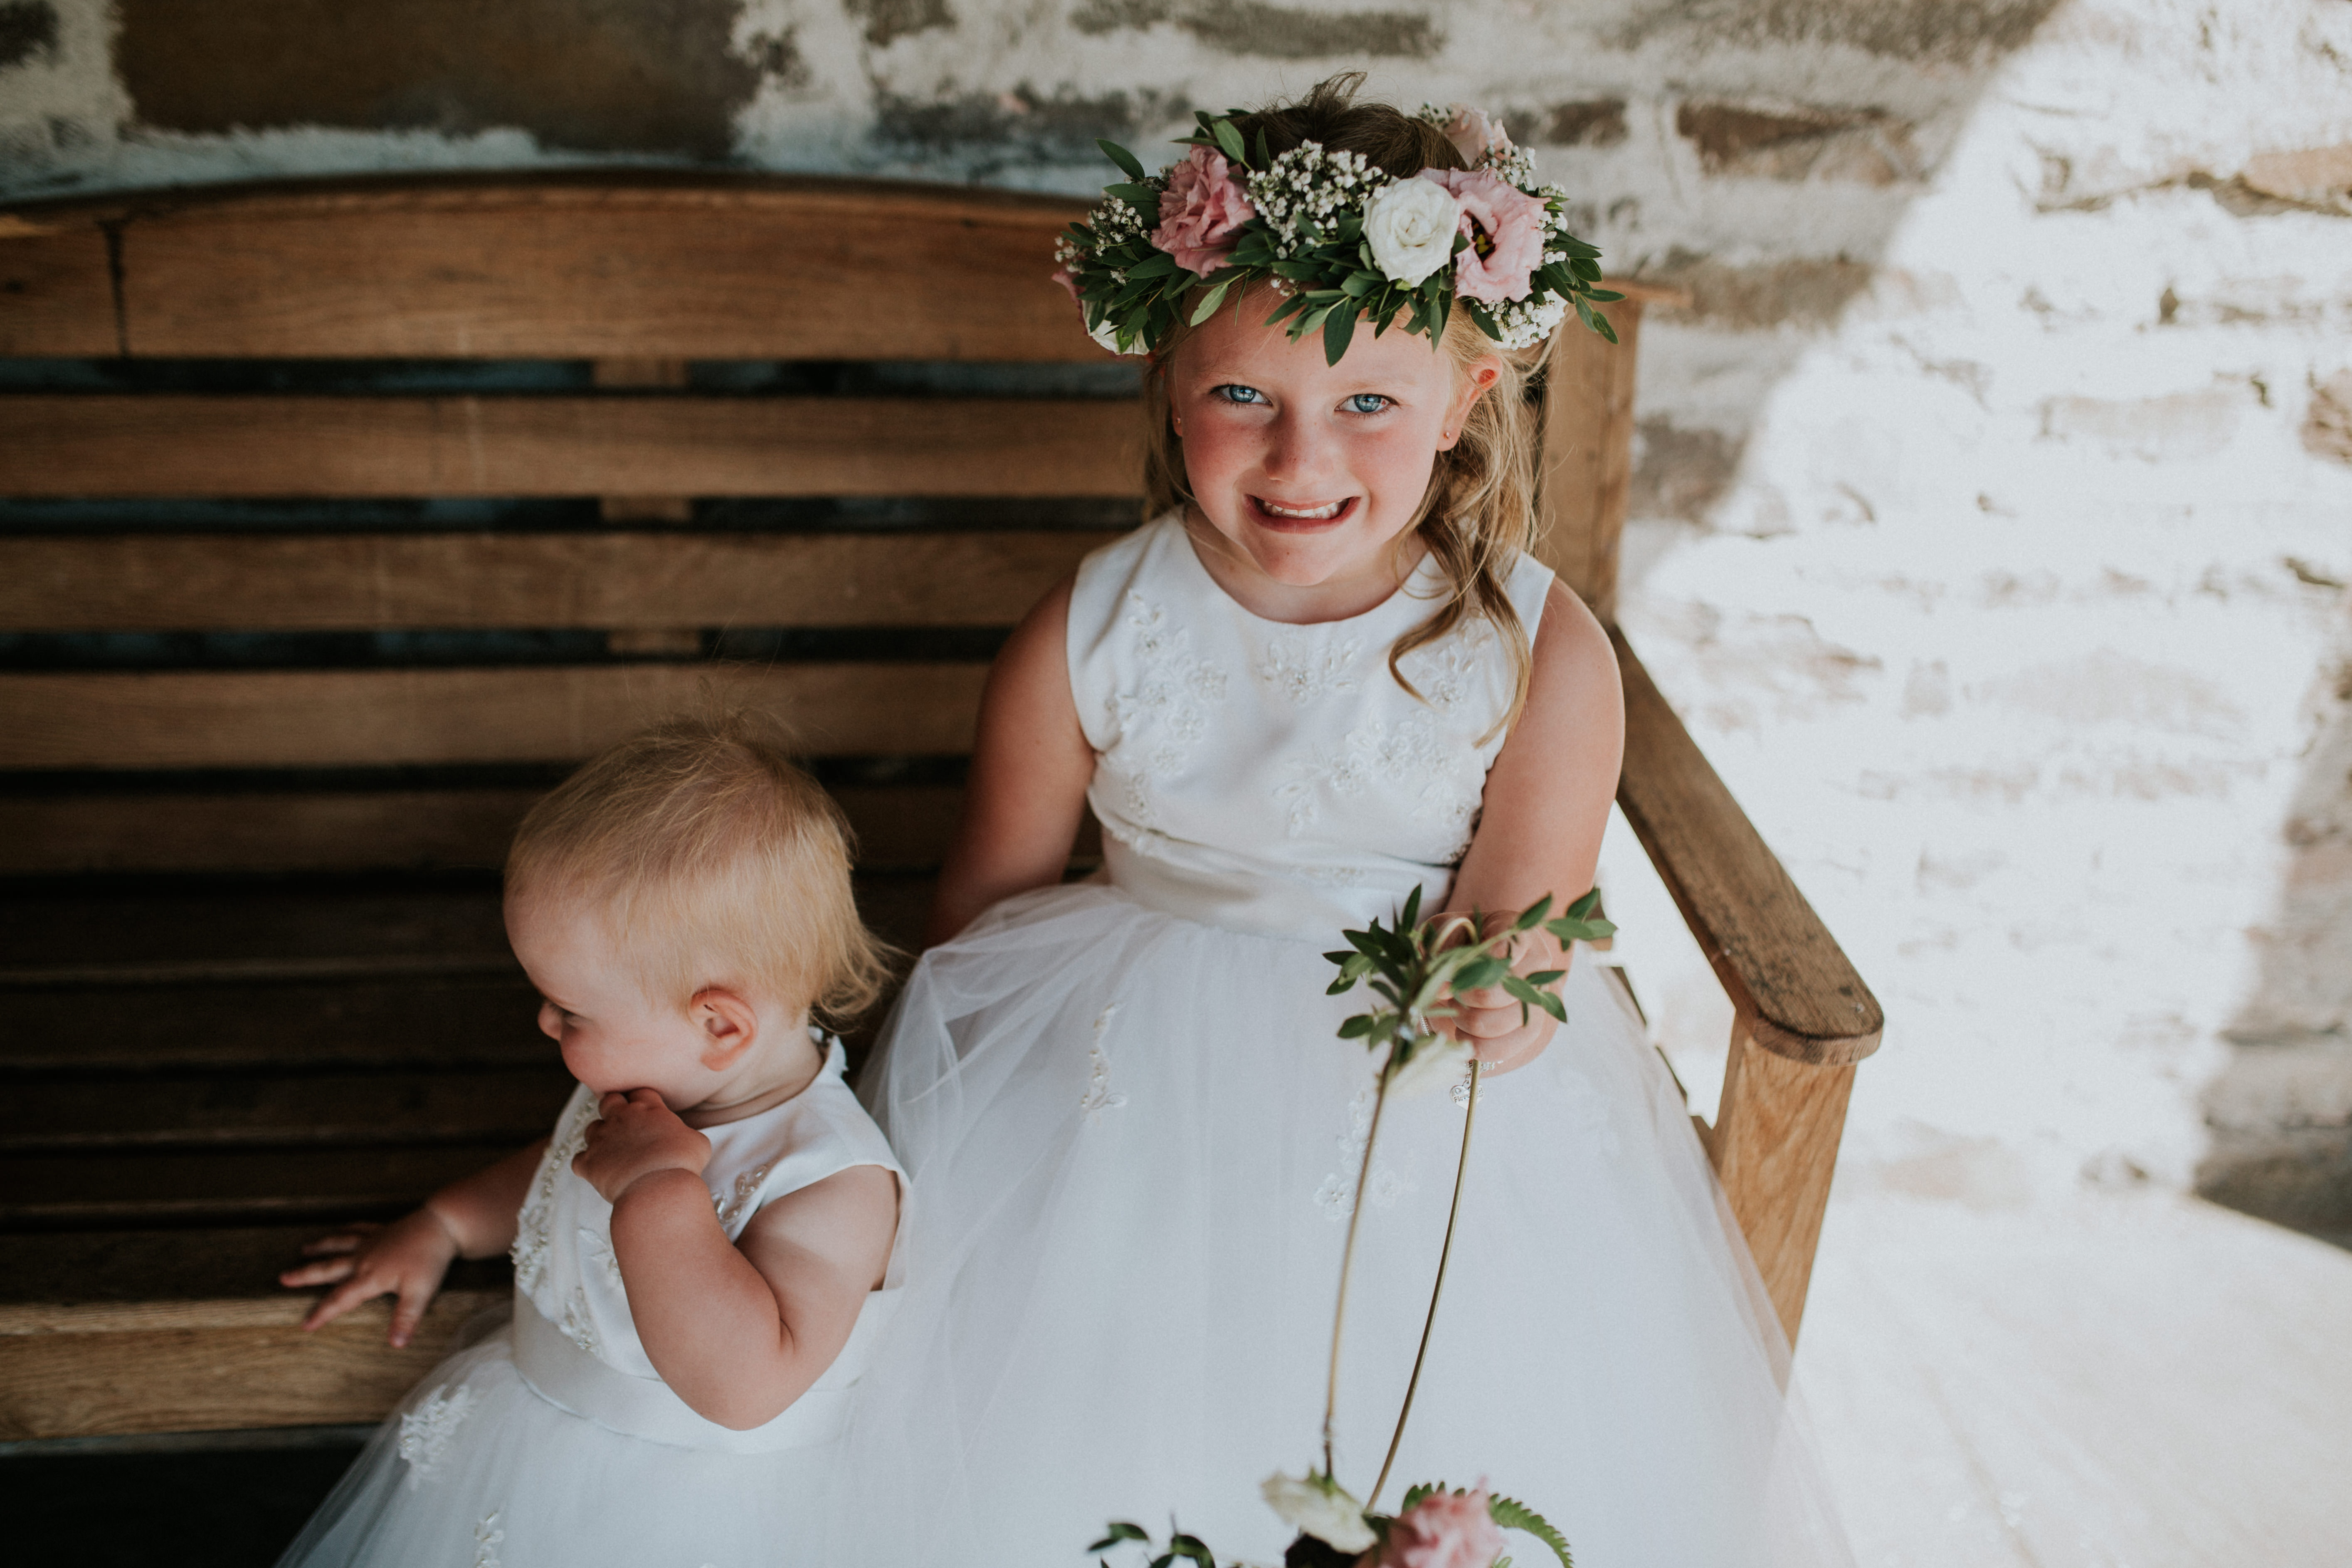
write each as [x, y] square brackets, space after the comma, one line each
[1307, 476]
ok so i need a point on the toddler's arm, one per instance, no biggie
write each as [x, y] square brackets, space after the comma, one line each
[1027, 787]
[1547, 805]
[738, 1331]
[471, 1218]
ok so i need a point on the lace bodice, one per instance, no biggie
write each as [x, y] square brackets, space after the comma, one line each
[1276, 778]
[564, 1265]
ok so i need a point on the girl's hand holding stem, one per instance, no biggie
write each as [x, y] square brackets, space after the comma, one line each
[1500, 1030]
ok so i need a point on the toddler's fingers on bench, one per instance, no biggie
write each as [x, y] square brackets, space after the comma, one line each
[325, 1272]
[350, 1239]
[359, 1288]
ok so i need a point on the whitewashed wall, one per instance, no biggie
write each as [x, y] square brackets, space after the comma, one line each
[1995, 500]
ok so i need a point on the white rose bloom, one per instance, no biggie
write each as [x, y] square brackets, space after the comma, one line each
[1410, 225]
[1108, 336]
[1440, 1063]
[1322, 1509]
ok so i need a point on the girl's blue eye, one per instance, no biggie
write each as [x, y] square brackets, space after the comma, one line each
[1368, 402]
[1233, 392]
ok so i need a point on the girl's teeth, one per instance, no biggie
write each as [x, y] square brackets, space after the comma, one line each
[1320, 511]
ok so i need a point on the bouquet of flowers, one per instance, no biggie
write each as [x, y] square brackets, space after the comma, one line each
[1416, 967]
[1339, 239]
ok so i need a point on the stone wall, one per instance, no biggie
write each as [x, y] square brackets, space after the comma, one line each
[1994, 501]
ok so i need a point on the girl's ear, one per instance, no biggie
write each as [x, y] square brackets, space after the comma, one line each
[730, 1025]
[1475, 384]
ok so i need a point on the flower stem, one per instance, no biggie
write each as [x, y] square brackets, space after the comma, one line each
[1347, 1258]
[1469, 1119]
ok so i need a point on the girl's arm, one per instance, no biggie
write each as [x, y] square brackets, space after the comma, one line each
[740, 1331]
[1027, 787]
[737, 1331]
[471, 1218]
[1546, 804]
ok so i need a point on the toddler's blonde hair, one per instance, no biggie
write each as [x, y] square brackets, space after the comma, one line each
[713, 861]
[1479, 511]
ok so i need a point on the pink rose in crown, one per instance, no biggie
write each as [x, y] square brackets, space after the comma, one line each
[1473, 133]
[1201, 213]
[1443, 1531]
[1507, 234]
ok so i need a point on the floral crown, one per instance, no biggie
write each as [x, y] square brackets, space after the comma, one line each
[1337, 237]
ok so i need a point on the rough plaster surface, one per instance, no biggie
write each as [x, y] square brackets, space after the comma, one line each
[1991, 511]
[587, 75]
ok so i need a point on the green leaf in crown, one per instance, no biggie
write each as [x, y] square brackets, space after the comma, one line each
[1342, 240]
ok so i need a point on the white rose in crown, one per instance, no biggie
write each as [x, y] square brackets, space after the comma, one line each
[1410, 225]
[1318, 1505]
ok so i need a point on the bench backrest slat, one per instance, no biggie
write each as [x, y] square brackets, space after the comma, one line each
[396, 581]
[593, 265]
[179, 444]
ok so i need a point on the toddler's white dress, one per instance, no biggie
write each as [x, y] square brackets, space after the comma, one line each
[554, 1444]
[1134, 1139]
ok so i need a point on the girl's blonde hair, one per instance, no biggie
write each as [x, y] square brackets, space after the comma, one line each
[1479, 511]
[713, 861]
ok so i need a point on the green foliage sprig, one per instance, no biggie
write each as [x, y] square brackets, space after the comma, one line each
[1416, 966]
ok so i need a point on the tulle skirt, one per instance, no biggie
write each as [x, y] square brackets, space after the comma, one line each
[476, 1470]
[1134, 1142]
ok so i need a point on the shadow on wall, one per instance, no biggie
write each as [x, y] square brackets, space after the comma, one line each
[2280, 1111]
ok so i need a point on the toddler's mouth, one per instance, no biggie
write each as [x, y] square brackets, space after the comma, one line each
[1276, 514]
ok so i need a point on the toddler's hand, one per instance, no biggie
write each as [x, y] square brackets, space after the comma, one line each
[637, 1136]
[405, 1260]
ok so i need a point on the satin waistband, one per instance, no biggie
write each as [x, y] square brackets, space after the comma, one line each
[1258, 901]
[572, 1379]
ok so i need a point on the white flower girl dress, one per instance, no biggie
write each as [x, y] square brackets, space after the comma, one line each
[554, 1444]
[1135, 1136]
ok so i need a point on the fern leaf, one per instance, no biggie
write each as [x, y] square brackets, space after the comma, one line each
[1512, 1514]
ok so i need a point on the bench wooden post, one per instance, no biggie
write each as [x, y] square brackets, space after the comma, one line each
[1804, 1016]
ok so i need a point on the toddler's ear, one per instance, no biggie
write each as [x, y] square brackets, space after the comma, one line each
[729, 1026]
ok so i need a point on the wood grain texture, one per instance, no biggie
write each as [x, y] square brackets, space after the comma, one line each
[81, 923]
[332, 582]
[56, 294]
[361, 1027]
[669, 373]
[594, 264]
[200, 1367]
[225, 445]
[44, 1271]
[301, 1108]
[134, 1188]
[1775, 1145]
[1587, 456]
[1782, 968]
[898, 827]
[597, 265]
[388, 717]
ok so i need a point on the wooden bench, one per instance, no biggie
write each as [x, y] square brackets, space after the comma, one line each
[337, 520]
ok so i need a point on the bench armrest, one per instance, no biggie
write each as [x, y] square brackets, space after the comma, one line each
[1792, 986]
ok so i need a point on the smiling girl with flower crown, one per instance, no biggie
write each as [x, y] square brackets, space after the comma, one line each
[1325, 674]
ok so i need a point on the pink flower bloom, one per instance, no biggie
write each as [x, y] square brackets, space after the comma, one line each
[1473, 135]
[1507, 234]
[1203, 209]
[1443, 1531]
[1062, 274]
